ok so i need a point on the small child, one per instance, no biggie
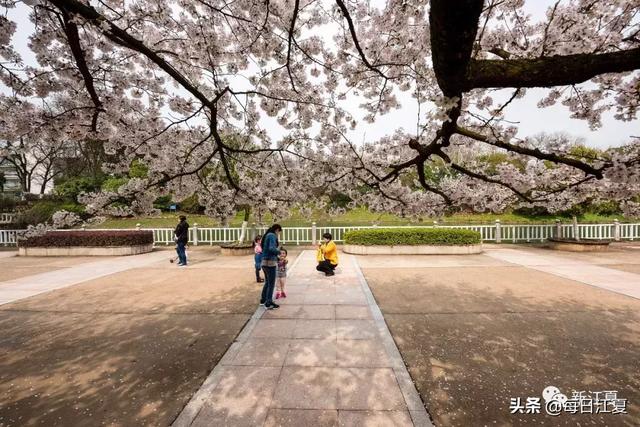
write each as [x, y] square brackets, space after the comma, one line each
[257, 249]
[281, 274]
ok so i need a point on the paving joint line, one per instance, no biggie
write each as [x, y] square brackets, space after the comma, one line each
[191, 410]
[417, 411]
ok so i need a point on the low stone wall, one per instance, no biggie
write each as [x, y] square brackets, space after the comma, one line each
[413, 249]
[582, 246]
[85, 250]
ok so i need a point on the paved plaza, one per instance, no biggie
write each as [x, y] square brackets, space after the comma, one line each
[325, 357]
[138, 341]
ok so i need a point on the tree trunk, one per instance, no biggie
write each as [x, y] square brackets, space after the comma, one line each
[245, 223]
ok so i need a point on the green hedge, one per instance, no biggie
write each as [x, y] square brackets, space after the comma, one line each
[412, 236]
[90, 238]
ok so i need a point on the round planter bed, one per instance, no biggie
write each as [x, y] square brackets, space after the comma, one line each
[413, 249]
[583, 245]
[236, 249]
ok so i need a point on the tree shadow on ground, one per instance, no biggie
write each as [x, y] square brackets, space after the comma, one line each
[471, 345]
[90, 360]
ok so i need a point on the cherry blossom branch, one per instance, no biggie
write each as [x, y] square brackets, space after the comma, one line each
[354, 37]
[533, 152]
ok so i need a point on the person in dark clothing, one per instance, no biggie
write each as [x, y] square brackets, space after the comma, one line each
[270, 253]
[181, 236]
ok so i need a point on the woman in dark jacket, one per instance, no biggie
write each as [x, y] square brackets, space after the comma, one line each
[270, 252]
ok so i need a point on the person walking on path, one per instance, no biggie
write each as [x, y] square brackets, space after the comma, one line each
[257, 257]
[181, 234]
[281, 274]
[270, 253]
[327, 255]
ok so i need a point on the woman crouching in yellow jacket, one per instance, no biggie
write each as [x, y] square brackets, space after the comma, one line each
[327, 255]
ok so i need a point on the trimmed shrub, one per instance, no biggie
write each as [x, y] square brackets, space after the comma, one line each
[412, 236]
[90, 238]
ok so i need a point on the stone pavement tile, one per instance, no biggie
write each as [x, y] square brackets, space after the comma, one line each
[353, 312]
[353, 329]
[286, 311]
[262, 352]
[326, 312]
[301, 417]
[274, 328]
[293, 298]
[324, 298]
[362, 354]
[350, 297]
[306, 388]
[315, 329]
[241, 398]
[312, 353]
[363, 388]
[374, 419]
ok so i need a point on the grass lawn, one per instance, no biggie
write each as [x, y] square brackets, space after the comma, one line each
[359, 216]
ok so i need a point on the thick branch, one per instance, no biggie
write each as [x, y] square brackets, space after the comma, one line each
[122, 38]
[71, 31]
[549, 71]
[533, 152]
[453, 30]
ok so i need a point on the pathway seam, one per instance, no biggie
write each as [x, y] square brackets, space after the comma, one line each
[419, 415]
[193, 407]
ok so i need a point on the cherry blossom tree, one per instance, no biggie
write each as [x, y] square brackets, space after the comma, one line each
[172, 82]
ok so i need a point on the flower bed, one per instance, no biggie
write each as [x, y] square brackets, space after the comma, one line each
[407, 241]
[79, 243]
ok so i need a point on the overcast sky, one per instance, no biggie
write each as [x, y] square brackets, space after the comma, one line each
[531, 120]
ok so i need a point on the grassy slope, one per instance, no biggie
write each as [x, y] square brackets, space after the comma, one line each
[359, 216]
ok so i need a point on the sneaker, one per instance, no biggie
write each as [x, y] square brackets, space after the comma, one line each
[272, 306]
[260, 280]
[330, 273]
[262, 303]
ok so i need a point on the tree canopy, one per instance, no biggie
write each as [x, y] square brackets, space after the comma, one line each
[193, 89]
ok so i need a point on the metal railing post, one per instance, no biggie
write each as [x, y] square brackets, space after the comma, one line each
[616, 230]
[314, 241]
[498, 231]
[195, 234]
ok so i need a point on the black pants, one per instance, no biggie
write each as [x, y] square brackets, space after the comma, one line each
[326, 267]
[269, 285]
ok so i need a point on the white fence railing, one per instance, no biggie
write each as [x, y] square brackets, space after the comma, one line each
[6, 218]
[497, 233]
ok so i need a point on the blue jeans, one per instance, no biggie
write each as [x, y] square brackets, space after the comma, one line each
[269, 285]
[182, 256]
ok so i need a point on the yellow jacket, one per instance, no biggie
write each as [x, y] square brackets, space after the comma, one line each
[328, 251]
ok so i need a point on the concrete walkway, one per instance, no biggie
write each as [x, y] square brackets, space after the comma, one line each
[610, 279]
[325, 358]
[24, 287]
